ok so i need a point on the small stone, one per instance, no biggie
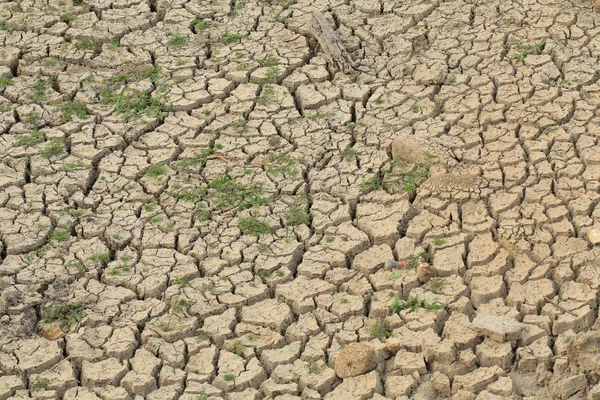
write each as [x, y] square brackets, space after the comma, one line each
[594, 236]
[499, 328]
[355, 359]
[425, 272]
[391, 264]
[50, 331]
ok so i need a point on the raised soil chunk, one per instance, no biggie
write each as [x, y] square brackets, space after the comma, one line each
[355, 359]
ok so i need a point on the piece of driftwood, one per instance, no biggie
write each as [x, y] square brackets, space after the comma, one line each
[331, 44]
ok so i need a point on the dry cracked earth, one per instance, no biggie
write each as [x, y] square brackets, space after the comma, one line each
[194, 204]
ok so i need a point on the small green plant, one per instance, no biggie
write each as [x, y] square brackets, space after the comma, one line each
[31, 119]
[344, 300]
[54, 148]
[317, 115]
[316, 369]
[525, 50]
[164, 324]
[225, 193]
[78, 265]
[177, 40]
[79, 164]
[230, 38]
[267, 96]
[208, 287]
[410, 182]
[349, 154]
[282, 164]
[69, 17]
[296, 215]
[381, 329]
[16, 8]
[40, 87]
[100, 257]
[254, 227]
[427, 256]
[371, 184]
[206, 112]
[241, 126]
[237, 348]
[181, 281]
[60, 236]
[156, 170]
[68, 314]
[201, 396]
[567, 339]
[265, 273]
[264, 248]
[273, 73]
[40, 384]
[269, 61]
[73, 108]
[274, 141]
[76, 213]
[415, 108]
[202, 336]
[436, 285]
[151, 73]
[438, 242]
[451, 79]
[413, 303]
[202, 25]
[179, 305]
[379, 100]
[112, 46]
[31, 139]
[228, 377]
[135, 104]
[84, 44]
[329, 239]
[5, 81]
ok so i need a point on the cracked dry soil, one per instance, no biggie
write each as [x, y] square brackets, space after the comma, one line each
[194, 205]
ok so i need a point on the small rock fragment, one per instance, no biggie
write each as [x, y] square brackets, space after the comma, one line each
[594, 236]
[425, 272]
[50, 331]
[355, 359]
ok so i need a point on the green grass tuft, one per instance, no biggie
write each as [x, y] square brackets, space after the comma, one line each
[254, 227]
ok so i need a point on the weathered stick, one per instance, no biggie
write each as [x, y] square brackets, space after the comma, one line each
[332, 45]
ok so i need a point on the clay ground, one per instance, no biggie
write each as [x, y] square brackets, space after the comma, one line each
[195, 205]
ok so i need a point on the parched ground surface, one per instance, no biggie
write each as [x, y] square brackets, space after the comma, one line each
[194, 205]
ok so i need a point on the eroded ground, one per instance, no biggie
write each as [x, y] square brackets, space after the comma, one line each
[193, 205]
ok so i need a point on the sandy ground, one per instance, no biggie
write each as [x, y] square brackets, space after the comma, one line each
[195, 205]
